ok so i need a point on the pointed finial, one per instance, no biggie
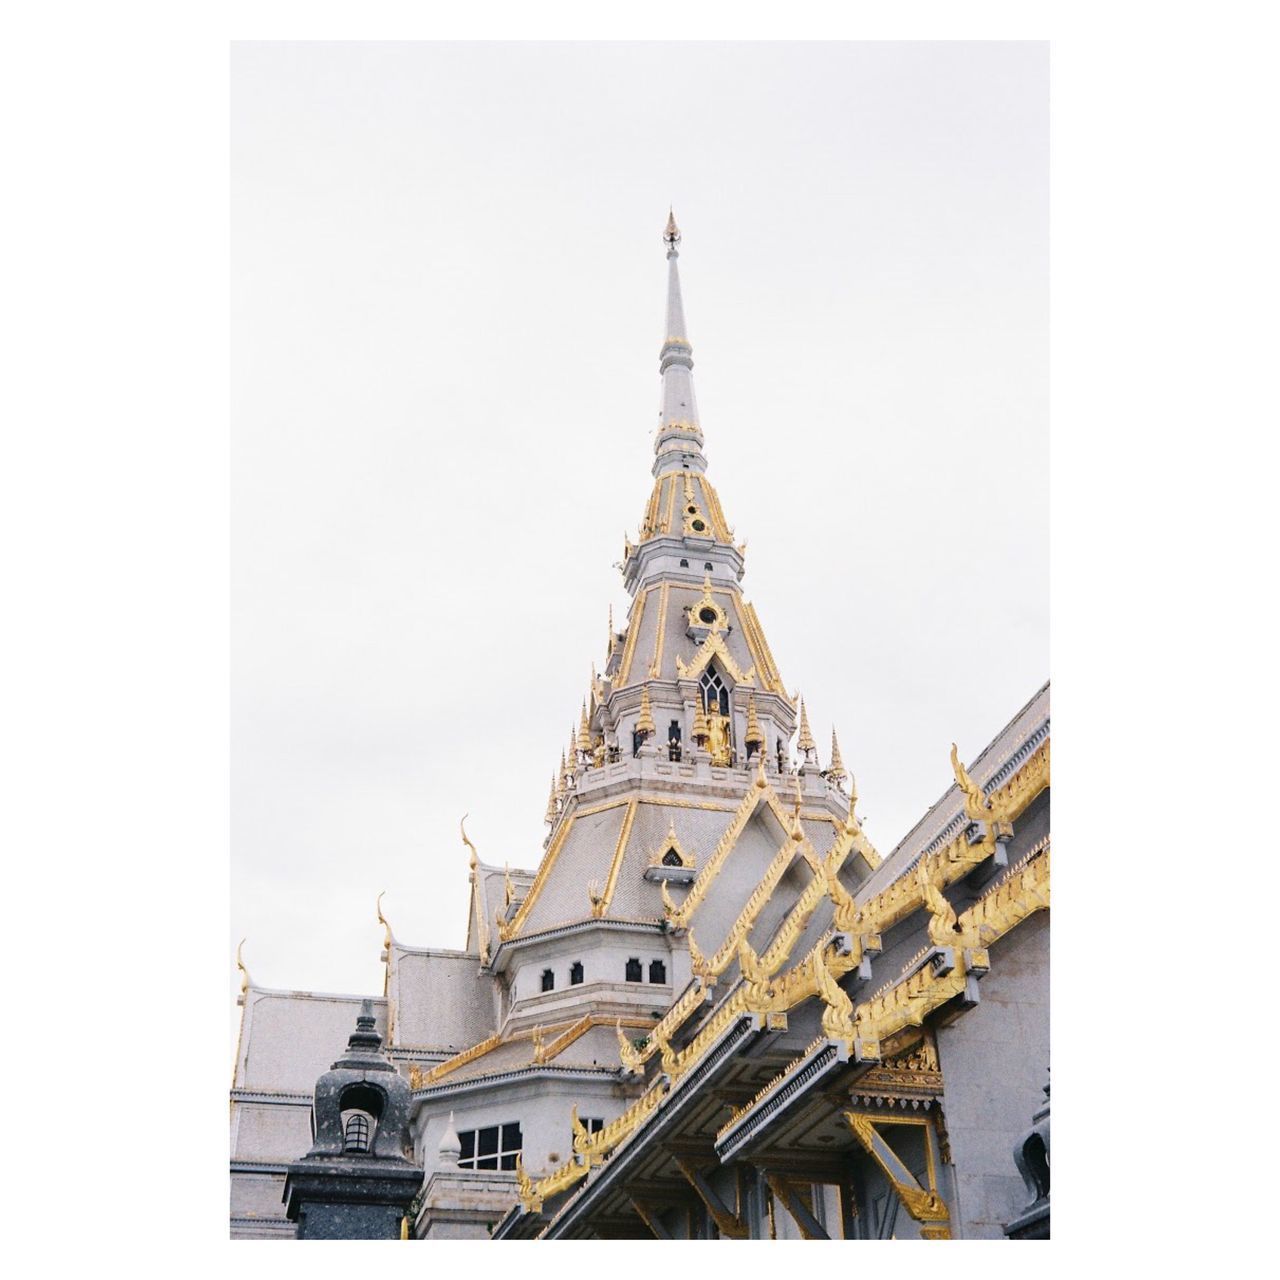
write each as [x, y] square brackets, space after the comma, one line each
[552, 796]
[382, 920]
[701, 729]
[584, 731]
[450, 1149]
[671, 235]
[613, 638]
[805, 741]
[366, 1035]
[645, 724]
[836, 771]
[754, 733]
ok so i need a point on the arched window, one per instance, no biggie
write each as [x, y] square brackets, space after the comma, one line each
[575, 974]
[715, 693]
[635, 971]
[657, 972]
[548, 980]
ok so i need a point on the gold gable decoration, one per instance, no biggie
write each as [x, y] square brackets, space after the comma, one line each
[714, 647]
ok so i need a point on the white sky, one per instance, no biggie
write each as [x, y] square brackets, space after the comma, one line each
[447, 303]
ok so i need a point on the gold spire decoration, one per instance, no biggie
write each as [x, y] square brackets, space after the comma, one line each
[552, 798]
[508, 889]
[700, 729]
[836, 772]
[584, 732]
[244, 973]
[539, 1048]
[671, 234]
[645, 723]
[613, 637]
[805, 742]
[754, 732]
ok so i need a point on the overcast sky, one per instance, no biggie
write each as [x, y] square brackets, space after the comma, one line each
[447, 305]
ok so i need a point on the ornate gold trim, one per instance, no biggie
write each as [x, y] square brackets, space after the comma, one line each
[553, 851]
[655, 667]
[633, 634]
[712, 647]
[598, 910]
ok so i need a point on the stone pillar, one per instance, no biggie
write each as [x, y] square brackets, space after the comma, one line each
[358, 1179]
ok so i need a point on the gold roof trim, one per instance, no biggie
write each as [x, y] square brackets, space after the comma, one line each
[907, 1002]
[633, 633]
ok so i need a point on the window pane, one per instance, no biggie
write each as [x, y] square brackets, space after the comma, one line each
[511, 1140]
[468, 1140]
[488, 1141]
[489, 1162]
[508, 1162]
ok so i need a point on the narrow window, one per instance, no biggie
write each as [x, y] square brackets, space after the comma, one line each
[715, 693]
[548, 980]
[684, 564]
[575, 974]
[635, 971]
[673, 740]
[657, 972]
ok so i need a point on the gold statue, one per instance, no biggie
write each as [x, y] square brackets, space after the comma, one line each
[718, 738]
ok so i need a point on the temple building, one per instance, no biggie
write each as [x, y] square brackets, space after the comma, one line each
[710, 1008]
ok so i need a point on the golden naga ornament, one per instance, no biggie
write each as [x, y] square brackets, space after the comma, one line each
[942, 916]
[837, 1016]
[631, 1057]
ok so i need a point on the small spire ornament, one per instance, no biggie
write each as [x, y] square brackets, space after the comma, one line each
[805, 742]
[701, 731]
[644, 724]
[836, 771]
[552, 799]
[584, 733]
[755, 735]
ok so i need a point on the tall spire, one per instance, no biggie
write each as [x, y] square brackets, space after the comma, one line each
[675, 362]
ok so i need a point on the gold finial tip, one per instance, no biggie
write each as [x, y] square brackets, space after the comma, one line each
[672, 233]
